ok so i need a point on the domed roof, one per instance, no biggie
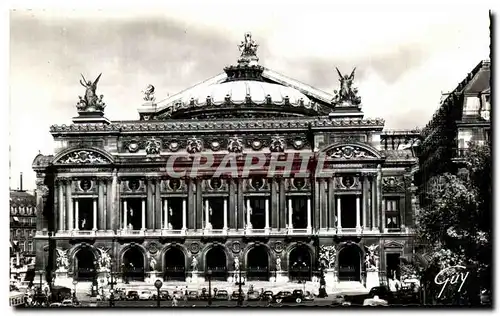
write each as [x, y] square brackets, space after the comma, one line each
[22, 199]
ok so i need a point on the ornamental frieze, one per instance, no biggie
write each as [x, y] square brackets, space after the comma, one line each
[347, 182]
[83, 157]
[173, 185]
[201, 125]
[256, 184]
[393, 184]
[298, 184]
[350, 152]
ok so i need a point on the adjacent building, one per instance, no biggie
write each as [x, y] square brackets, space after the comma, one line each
[107, 200]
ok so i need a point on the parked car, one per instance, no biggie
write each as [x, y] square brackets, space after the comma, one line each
[192, 295]
[382, 292]
[253, 296]
[145, 295]
[308, 296]
[375, 301]
[132, 296]
[55, 305]
[339, 299]
[283, 296]
[178, 294]
[236, 295]
[67, 303]
[221, 295]
[266, 296]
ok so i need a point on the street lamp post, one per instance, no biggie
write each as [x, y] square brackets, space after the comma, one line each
[158, 285]
[74, 288]
[111, 283]
[209, 274]
[240, 290]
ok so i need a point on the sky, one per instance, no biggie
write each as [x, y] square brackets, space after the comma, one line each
[404, 58]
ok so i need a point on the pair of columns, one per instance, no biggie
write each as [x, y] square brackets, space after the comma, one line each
[208, 225]
[358, 213]
[143, 215]
[94, 214]
[290, 214]
[165, 214]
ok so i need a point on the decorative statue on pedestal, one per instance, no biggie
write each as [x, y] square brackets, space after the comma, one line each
[194, 264]
[248, 49]
[149, 93]
[347, 95]
[62, 261]
[278, 264]
[236, 264]
[371, 259]
[91, 102]
[152, 264]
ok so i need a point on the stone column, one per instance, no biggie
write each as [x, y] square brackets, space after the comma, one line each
[158, 204]
[114, 212]
[225, 215]
[94, 215]
[191, 204]
[100, 206]
[249, 221]
[282, 204]
[274, 204]
[366, 211]
[125, 210]
[184, 215]
[199, 204]
[358, 213]
[290, 214]
[143, 213]
[380, 210]
[374, 203]
[150, 206]
[69, 207]
[60, 191]
[339, 214]
[331, 202]
[165, 214]
[207, 214]
[77, 216]
[267, 214]
[309, 214]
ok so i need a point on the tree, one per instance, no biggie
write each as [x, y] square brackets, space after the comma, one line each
[456, 225]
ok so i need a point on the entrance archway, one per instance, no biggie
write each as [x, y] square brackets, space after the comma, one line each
[215, 260]
[133, 264]
[85, 269]
[350, 264]
[175, 265]
[258, 264]
[299, 264]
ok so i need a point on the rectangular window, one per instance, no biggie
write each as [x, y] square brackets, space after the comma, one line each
[30, 246]
[392, 216]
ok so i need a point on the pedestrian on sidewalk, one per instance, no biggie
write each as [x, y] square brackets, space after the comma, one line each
[174, 301]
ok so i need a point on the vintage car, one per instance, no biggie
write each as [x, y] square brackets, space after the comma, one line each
[193, 296]
[132, 296]
[146, 295]
[266, 296]
[221, 295]
[253, 296]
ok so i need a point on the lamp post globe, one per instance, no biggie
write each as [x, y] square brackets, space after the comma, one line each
[158, 285]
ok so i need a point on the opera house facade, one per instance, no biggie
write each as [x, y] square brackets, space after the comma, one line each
[174, 194]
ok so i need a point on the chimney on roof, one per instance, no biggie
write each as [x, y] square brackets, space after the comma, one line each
[21, 182]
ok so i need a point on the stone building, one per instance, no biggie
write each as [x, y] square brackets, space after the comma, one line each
[107, 201]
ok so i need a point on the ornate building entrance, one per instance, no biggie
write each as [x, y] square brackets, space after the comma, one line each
[350, 264]
[300, 264]
[216, 262]
[258, 264]
[85, 265]
[175, 265]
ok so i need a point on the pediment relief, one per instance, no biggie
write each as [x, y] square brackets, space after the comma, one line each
[394, 244]
[83, 156]
[351, 152]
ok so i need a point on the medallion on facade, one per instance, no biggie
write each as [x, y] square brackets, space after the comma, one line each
[278, 246]
[256, 144]
[347, 95]
[298, 144]
[83, 157]
[236, 247]
[90, 102]
[215, 145]
[348, 182]
[216, 183]
[153, 146]
[349, 152]
[153, 248]
[134, 184]
[257, 183]
[194, 145]
[85, 185]
[235, 145]
[174, 184]
[327, 256]
[277, 144]
[194, 247]
[299, 183]
[133, 146]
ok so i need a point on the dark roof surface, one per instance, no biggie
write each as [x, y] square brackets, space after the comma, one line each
[22, 198]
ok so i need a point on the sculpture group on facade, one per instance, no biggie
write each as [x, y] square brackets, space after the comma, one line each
[82, 156]
[104, 262]
[347, 95]
[194, 264]
[153, 146]
[149, 93]
[248, 49]
[371, 258]
[90, 102]
[327, 255]
[152, 264]
[62, 261]
[278, 264]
